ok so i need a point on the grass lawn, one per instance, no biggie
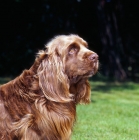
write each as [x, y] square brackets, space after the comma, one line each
[112, 115]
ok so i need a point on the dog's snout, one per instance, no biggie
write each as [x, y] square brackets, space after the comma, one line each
[93, 57]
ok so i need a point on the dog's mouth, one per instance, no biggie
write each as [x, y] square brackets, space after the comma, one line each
[95, 68]
[92, 71]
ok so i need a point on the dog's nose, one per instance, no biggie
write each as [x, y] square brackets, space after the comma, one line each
[93, 57]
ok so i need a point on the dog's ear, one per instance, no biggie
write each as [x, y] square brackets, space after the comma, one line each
[81, 91]
[52, 78]
[40, 56]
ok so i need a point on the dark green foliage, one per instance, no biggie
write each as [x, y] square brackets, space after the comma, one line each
[110, 27]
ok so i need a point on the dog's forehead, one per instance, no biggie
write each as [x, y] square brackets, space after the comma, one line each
[63, 41]
[77, 39]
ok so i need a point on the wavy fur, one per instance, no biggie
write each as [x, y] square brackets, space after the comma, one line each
[40, 104]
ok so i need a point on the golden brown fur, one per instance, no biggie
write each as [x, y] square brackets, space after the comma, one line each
[40, 104]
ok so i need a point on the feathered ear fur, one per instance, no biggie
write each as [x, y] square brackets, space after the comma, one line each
[81, 91]
[41, 56]
[52, 79]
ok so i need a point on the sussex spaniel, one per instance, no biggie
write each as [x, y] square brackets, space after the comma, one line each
[40, 104]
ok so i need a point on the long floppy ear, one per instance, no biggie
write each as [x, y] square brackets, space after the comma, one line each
[81, 91]
[41, 56]
[52, 79]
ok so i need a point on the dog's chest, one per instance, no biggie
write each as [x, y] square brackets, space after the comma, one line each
[55, 120]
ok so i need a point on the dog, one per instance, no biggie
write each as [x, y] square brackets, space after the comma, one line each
[40, 104]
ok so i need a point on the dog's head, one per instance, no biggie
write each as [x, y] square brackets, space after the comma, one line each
[63, 73]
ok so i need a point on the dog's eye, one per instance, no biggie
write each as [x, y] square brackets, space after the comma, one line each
[73, 49]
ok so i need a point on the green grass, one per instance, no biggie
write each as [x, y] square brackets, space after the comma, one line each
[112, 115]
[4, 80]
